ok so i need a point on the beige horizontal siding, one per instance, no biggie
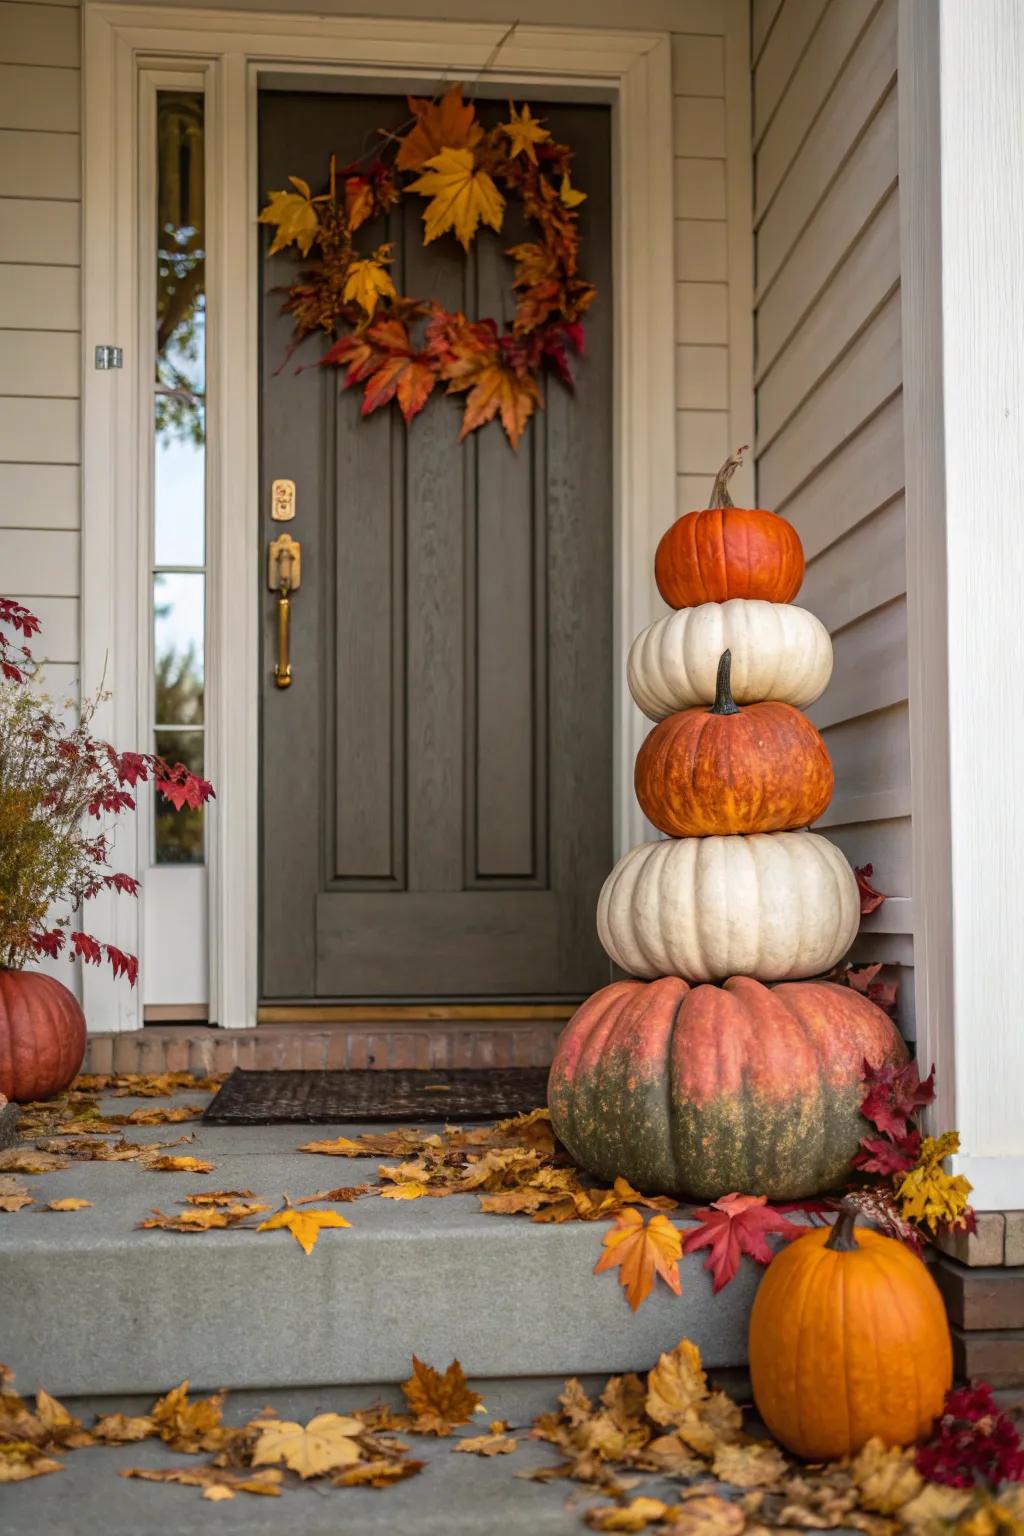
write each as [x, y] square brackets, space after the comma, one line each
[829, 448]
[40, 324]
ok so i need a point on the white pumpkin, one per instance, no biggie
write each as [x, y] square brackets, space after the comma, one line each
[778, 652]
[774, 905]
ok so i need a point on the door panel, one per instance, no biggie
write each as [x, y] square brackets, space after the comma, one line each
[436, 782]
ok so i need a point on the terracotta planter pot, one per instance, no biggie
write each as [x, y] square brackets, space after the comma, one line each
[42, 1036]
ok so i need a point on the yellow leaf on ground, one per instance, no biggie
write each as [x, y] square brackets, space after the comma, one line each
[675, 1384]
[120, 1429]
[305, 1226]
[219, 1197]
[410, 1191]
[886, 1477]
[19, 1460]
[13, 1196]
[71, 1204]
[169, 1164]
[341, 1146]
[935, 1506]
[367, 282]
[634, 1516]
[487, 1445]
[25, 1160]
[189, 1426]
[524, 132]
[437, 1402]
[461, 196]
[707, 1515]
[761, 1465]
[640, 1252]
[212, 1479]
[322, 1445]
[202, 1218]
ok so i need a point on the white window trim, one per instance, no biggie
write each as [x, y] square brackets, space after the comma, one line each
[231, 48]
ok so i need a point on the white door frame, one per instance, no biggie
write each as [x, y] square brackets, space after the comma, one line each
[633, 71]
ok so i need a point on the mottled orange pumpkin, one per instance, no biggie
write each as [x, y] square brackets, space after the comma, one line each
[42, 1036]
[704, 1090]
[727, 551]
[848, 1339]
[725, 770]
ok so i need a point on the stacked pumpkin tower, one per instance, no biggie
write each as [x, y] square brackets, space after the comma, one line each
[727, 1066]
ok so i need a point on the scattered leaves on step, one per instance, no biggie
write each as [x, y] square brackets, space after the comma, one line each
[19, 1460]
[145, 1085]
[305, 1226]
[735, 1225]
[323, 1445]
[25, 1160]
[437, 1403]
[202, 1218]
[13, 1195]
[71, 1204]
[382, 1144]
[169, 1164]
[640, 1252]
[495, 1443]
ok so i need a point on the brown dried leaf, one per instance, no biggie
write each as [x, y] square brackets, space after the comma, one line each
[343, 1194]
[379, 1473]
[13, 1195]
[670, 1454]
[886, 1477]
[19, 1460]
[219, 1197]
[487, 1445]
[707, 1515]
[189, 1426]
[201, 1218]
[215, 1482]
[166, 1164]
[25, 1160]
[760, 1465]
[676, 1384]
[71, 1204]
[634, 1516]
[119, 1429]
[437, 1403]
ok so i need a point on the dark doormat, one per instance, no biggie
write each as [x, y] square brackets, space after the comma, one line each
[267, 1098]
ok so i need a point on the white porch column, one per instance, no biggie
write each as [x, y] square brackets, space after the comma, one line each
[961, 84]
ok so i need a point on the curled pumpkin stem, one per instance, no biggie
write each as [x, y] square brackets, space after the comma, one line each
[720, 490]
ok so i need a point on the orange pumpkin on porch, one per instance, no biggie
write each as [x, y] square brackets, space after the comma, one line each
[848, 1340]
[727, 551]
[725, 770]
[42, 1036]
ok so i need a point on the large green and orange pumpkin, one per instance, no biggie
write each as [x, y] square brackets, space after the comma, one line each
[848, 1341]
[42, 1035]
[705, 1090]
[725, 770]
[726, 551]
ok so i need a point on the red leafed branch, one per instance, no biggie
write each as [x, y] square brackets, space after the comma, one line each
[735, 1225]
[56, 781]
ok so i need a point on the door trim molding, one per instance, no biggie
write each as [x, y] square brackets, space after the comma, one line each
[633, 71]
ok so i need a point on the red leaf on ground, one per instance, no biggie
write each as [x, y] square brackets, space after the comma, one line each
[734, 1225]
[870, 899]
[893, 1095]
[973, 1442]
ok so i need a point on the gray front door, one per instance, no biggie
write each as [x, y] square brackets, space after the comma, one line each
[436, 783]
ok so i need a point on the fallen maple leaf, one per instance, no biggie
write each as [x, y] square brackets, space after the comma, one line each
[886, 1477]
[186, 1425]
[407, 1191]
[449, 123]
[640, 1252]
[708, 1515]
[13, 1196]
[461, 195]
[305, 1226]
[202, 1218]
[294, 215]
[216, 1483]
[491, 1444]
[675, 1384]
[20, 1460]
[437, 1403]
[760, 1465]
[323, 1445]
[379, 1473]
[167, 1164]
[870, 899]
[634, 1516]
[70, 1204]
[25, 1160]
[343, 1195]
[122, 1429]
[219, 1197]
[524, 132]
[734, 1225]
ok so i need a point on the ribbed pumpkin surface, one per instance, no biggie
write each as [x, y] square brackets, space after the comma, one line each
[702, 1091]
[723, 552]
[42, 1036]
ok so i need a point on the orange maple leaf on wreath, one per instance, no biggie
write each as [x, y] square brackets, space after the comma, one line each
[640, 1252]
[446, 124]
[383, 357]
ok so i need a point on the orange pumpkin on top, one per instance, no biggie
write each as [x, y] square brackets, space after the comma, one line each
[727, 551]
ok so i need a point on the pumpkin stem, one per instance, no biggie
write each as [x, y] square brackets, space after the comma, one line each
[841, 1238]
[720, 490]
[724, 703]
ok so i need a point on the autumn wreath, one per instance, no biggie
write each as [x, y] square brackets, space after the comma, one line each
[467, 172]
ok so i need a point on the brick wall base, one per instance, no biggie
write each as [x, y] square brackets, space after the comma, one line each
[200, 1048]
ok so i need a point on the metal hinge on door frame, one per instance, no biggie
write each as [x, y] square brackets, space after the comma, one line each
[109, 357]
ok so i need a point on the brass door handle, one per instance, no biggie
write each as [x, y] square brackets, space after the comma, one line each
[284, 576]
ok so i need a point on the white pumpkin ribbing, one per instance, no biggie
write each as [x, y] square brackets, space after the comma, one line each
[777, 906]
[778, 652]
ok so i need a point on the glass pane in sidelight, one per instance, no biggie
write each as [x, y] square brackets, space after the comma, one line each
[180, 381]
[178, 636]
[179, 834]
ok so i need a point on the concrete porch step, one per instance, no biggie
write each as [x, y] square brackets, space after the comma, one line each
[92, 1305]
